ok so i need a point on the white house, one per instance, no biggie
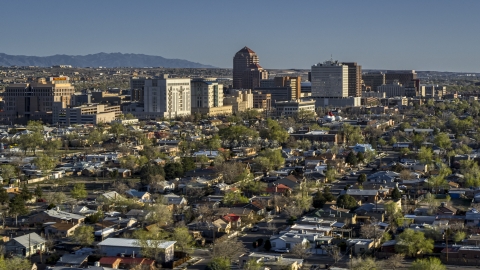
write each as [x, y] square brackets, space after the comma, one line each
[287, 241]
[115, 246]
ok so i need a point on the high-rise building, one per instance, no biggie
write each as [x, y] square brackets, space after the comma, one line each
[329, 79]
[404, 77]
[34, 101]
[373, 80]
[242, 61]
[207, 97]
[293, 82]
[167, 97]
[240, 100]
[394, 89]
[253, 75]
[354, 79]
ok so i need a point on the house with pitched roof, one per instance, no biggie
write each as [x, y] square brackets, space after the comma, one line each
[25, 245]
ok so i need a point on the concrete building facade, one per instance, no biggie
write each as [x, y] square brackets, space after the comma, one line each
[329, 79]
[354, 79]
[241, 61]
[292, 107]
[240, 100]
[167, 97]
[85, 114]
[394, 89]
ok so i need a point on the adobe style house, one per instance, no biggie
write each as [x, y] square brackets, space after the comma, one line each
[55, 215]
[25, 245]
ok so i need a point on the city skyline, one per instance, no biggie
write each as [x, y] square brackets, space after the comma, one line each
[427, 35]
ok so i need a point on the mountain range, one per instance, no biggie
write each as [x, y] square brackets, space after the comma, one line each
[97, 60]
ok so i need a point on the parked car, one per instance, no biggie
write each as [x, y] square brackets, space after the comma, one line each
[254, 228]
[345, 178]
[282, 250]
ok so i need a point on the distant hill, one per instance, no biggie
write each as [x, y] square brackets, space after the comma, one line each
[98, 59]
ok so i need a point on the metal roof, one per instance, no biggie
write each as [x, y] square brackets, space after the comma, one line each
[127, 242]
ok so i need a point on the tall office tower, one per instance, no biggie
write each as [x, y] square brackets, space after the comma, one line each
[136, 88]
[373, 80]
[394, 89]
[404, 77]
[34, 101]
[167, 97]
[329, 79]
[242, 60]
[207, 97]
[253, 75]
[354, 79]
[293, 82]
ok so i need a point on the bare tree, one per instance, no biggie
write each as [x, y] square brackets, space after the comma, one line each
[334, 252]
[230, 171]
[205, 212]
[301, 250]
[368, 231]
[228, 248]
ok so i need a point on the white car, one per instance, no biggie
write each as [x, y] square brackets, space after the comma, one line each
[282, 250]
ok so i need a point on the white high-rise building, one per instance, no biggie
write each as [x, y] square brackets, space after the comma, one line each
[167, 97]
[329, 79]
[207, 97]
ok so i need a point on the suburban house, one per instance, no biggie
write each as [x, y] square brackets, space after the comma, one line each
[55, 215]
[126, 263]
[271, 261]
[125, 246]
[287, 241]
[363, 196]
[362, 148]
[360, 246]
[60, 229]
[25, 245]
[142, 196]
[234, 220]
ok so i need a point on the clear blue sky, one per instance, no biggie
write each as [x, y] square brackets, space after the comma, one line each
[422, 35]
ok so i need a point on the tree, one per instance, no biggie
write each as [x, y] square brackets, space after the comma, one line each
[232, 172]
[273, 131]
[459, 236]
[361, 179]
[443, 141]
[353, 135]
[15, 263]
[268, 245]
[270, 159]
[79, 192]
[44, 162]
[396, 195]
[369, 231]
[237, 132]
[319, 200]
[117, 129]
[228, 248]
[351, 159]
[305, 116]
[346, 201]
[395, 260]
[219, 263]
[412, 242]
[188, 164]
[151, 242]
[56, 198]
[253, 264]
[430, 263]
[330, 174]
[425, 155]
[301, 250]
[8, 172]
[38, 192]
[4, 198]
[173, 170]
[25, 194]
[364, 264]
[17, 207]
[160, 214]
[184, 239]
[83, 235]
[233, 197]
[382, 142]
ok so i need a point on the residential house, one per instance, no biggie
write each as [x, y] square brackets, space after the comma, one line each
[362, 148]
[141, 196]
[138, 214]
[118, 246]
[73, 260]
[174, 201]
[126, 263]
[271, 261]
[472, 218]
[278, 189]
[83, 210]
[234, 220]
[361, 246]
[363, 196]
[383, 177]
[288, 241]
[60, 230]
[55, 215]
[25, 245]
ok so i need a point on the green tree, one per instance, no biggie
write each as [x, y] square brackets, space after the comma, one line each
[459, 236]
[305, 116]
[346, 201]
[353, 135]
[44, 162]
[237, 132]
[430, 263]
[25, 194]
[83, 235]
[160, 214]
[412, 242]
[273, 131]
[8, 172]
[253, 264]
[184, 239]
[214, 143]
[4, 198]
[382, 142]
[117, 130]
[330, 174]
[38, 192]
[15, 263]
[173, 170]
[79, 192]
[233, 197]
[17, 207]
[396, 195]
[270, 159]
[364, 264]
[425, 155]
[351, 159]
[361, 179]
[443, 141]
[219, 263]
[188, 164]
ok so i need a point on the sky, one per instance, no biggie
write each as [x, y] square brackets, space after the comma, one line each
[422, 35]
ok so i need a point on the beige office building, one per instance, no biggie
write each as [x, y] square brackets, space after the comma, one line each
[207, 97]
[85, 114]
[34, 101]
[240, 100]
